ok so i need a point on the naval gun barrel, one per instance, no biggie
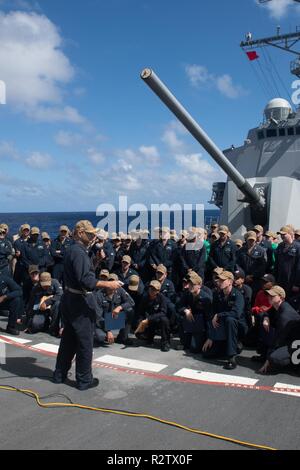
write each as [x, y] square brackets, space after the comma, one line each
[160, 89]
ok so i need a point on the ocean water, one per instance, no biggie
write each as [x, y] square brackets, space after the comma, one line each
[51, 221]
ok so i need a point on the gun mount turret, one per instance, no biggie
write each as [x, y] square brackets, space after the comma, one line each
[271, 193]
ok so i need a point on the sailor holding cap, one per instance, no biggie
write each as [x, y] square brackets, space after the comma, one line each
[79, 309]
[126, 271]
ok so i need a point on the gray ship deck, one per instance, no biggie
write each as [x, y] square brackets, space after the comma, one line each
[245, 410]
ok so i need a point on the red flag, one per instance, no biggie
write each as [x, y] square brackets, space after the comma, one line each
[252, 55]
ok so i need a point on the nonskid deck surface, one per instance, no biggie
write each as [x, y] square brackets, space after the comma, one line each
[175, 386]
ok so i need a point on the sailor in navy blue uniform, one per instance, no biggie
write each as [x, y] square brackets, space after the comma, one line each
[252, 259]
[138, 254]
[135, 289]
[78, 308]
[223, 252]
[228, 321]
[114, 301]
[118, 251]
[168, 291]
[11, 300]
[6, 253]
[194, 309]
[44, 306]
[287, 263]
[125, 272]
[161, 252]
[266, 244]
[153, 316]
[282, 324]
[35, 252]
[193, 256]
[21, 269]
[59, 248]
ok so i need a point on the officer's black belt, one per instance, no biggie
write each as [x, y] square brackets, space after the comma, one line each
[77, 292]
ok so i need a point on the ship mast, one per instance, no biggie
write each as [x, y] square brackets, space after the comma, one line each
[285, 42]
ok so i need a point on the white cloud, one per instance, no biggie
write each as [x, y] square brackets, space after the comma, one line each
[95, 157]
[198, 76]
[194, 170]
[278, 8]
[130, 183]
[146, 155]
[172, 141]
[122, 176]
[122, 166]
[178, 127]
[7, 150]
[18, 187]
[34, 67]
[226, 87]
[127, 154]
[68, 139]
[28, 5]
[24, 191]
[56, 114]
[79, 91]
[39, 161]
[151, 154]
[194, 163]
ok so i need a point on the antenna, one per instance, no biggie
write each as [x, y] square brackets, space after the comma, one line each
[285, 42]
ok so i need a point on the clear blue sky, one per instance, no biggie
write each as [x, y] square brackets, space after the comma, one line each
[80, 128]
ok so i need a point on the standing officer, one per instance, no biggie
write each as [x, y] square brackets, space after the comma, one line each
[35, 253]
[266, 244]
[138, 252]
[78, 308]
[252, 259]
[21, 268]
[193, 255]
[6, 252]
[223, 251]
[287, 264]
[58, 250]
[162, 252]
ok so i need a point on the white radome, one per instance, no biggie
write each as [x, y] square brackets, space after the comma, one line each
[278, 108]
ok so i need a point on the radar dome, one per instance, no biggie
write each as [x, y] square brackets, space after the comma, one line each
[278, 109]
